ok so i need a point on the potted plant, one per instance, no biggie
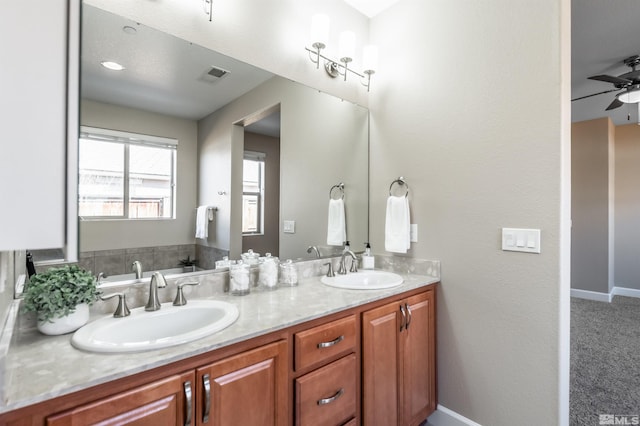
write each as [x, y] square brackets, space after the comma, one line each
[188, 264]
[61, 298]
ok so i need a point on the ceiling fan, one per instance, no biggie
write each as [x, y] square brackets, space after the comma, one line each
[629, 82]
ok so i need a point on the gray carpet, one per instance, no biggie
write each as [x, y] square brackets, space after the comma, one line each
[605, 359]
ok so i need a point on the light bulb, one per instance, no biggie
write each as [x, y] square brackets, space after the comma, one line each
[319, 31]
[347, 46]
[370, 59]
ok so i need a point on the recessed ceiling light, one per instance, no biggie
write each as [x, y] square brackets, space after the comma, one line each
[112, 65]
[129, 30]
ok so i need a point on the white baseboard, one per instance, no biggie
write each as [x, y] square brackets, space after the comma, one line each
[591, 295]
[622, 291]
[445, 417]
[605, 297]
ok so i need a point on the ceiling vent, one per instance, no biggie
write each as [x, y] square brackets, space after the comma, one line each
[213, 74]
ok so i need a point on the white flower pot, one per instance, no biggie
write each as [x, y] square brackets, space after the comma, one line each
[66, 324]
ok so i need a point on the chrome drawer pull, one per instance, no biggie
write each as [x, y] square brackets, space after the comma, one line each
[207, 398]
[187, 397]
[331, 343]
[325, 401]
[406, 305]
[404, 318]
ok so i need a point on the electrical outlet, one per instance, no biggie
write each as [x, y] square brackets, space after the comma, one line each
[289, 226]
[413, 233]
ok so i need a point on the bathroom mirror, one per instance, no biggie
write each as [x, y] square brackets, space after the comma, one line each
[216, 107]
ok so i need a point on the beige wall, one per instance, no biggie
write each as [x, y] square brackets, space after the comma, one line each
[269, 241]
[627, 206]
[469, 105]
[591, 142]
[117, 234]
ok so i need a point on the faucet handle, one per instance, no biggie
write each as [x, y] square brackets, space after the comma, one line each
[180, 299]
[122, 310]
[330, 270]
[354, 265]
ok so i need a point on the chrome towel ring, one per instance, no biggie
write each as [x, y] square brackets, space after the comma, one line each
[401, 182]
[339, 187]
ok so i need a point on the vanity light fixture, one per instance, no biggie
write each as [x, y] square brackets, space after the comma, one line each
[207, 5]
[346, 51]
[114, 66]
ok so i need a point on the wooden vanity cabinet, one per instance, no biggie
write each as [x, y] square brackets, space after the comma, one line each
[247, 389]
[369, 365]
[164, 402]
[327, 395]
[398, 361]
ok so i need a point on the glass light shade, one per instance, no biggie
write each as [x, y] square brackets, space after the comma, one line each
[630, 97]
[320, 30]
[370, 58]
[347, 46]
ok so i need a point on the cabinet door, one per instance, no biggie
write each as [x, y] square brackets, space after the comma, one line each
[417, 354]
[35, 97]
[246, 389]
[380, 328]
[165, 402]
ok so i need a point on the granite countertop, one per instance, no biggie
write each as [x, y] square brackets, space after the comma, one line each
[38, 367]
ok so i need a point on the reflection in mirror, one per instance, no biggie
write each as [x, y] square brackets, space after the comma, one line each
[228, 119]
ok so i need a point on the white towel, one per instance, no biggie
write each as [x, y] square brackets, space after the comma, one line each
[202, 222]
[336, 226]
[397, 225]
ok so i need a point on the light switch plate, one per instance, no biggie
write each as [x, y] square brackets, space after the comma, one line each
[289, 226]
[521, 239]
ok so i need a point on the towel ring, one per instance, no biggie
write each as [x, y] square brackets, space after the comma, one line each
[340, 187]
[400, 181]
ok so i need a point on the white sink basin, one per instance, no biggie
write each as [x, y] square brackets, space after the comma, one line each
[364, 280]
[169, 326]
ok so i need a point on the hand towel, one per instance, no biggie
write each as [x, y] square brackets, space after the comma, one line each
[397, 225]
[202, 222]
[336, 226]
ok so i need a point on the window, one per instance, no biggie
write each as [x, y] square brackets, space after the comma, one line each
[253, 192]
[125, 175]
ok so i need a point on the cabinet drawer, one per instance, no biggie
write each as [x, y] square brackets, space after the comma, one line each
[327, 396]
[324, 341]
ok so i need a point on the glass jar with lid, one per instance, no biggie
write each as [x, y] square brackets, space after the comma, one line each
[250, 258]
[224, 263]
[268, 272]
[239, 282]
[288, 274]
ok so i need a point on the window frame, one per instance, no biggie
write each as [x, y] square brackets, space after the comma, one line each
[261, 158]
[126, 139]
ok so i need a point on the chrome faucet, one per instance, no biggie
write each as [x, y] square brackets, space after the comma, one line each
[137, 268]
[342, 269]
[157, 280]
[314, 248]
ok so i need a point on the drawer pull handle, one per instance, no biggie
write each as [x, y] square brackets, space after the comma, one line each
[331, 343]
[404, 318]
[406, 305]
[207, 398]
[187, 402]
[325, 401]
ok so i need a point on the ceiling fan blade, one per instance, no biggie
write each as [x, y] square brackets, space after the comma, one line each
[631, 75]
[615, 104]
[611, 79]
[595, 94]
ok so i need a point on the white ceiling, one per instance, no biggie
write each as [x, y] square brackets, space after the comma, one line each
[604, 33]
[371, 8]
[163, 74]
